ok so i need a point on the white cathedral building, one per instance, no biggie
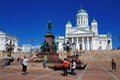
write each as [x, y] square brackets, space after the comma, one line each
[84, 36]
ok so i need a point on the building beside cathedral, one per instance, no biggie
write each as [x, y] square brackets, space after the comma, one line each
[5, 39]
[84, 36]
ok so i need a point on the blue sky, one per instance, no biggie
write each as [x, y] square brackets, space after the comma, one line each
[27, 19]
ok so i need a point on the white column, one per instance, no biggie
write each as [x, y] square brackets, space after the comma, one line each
[77, 44]
[72, 40]
[83, 44]
[72, 43]
[88, 44]
[77, 21]
[91, 44]
[80, 20]
[84, 20]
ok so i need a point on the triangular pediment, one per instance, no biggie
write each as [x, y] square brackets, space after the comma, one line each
[79, 31]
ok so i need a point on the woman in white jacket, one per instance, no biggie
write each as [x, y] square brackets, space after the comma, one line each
[24, 65]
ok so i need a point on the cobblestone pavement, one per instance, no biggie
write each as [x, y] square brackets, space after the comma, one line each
[94, 71]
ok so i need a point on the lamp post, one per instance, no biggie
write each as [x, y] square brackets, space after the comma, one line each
[73, 44]
[10, 47]
[68, 50]
[64, 46]
[31, 46]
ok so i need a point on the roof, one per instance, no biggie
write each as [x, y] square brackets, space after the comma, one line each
[82, 11]
[94, 20]
[69, 22]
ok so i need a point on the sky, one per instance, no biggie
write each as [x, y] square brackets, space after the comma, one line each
[27, 19]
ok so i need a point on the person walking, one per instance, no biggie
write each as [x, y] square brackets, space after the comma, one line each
[24, 65]
[65, 67]
[45, 59]
[74, 67]
[113, 64]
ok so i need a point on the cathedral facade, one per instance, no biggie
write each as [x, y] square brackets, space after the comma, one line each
[84, 36]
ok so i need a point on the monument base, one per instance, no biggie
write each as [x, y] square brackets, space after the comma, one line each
[52, 57]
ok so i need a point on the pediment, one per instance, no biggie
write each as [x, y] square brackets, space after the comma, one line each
[79, 31]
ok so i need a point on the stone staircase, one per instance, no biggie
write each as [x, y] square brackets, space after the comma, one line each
[94, 55]
[102, 56]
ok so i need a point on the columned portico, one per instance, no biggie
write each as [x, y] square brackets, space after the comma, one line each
[82, 43]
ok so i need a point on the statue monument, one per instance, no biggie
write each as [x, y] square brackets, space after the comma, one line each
[49, 46]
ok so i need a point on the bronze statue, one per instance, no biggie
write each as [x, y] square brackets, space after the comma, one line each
[49, 45]
[49, 26]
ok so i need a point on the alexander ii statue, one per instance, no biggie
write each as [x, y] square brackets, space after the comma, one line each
[49, 26]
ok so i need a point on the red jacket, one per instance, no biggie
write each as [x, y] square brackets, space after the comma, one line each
[66, 64]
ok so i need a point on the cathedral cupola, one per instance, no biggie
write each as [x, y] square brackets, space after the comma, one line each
[94, 26]
[68, 24]
[81, 11]
[82, 17]
[94, 22]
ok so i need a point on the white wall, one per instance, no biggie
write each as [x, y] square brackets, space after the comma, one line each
[5, 39]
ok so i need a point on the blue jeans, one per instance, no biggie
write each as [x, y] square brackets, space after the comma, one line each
[44, 63]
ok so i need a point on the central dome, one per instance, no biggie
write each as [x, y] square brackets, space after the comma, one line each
[82, 11]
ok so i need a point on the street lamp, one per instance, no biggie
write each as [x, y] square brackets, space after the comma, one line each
[31, 47]
[10, 47]
[68, 50]
[73, 44]
[64, 46]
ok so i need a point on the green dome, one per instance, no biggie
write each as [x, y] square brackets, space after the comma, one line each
[94, 20]
[69, 22]
[82, 11]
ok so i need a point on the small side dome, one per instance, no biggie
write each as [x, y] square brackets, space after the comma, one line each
[94, 21]
[68, 22]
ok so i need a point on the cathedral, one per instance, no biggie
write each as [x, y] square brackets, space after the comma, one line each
[84, 36]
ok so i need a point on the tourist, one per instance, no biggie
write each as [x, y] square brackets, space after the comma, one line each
[65, 67]
[24, 65]
[74, 67]
[113, 64]
[4, 63]
[70, 68]
[45, 61]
